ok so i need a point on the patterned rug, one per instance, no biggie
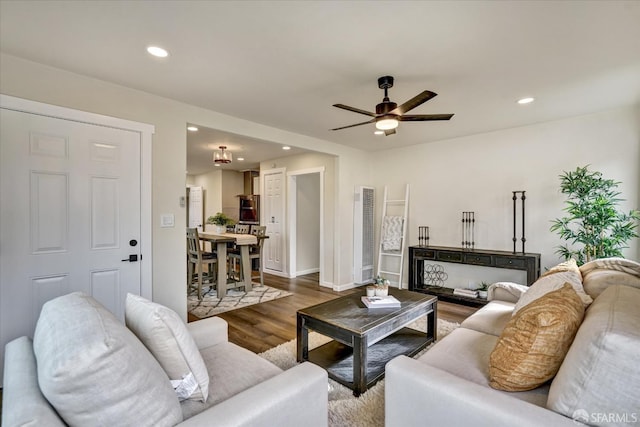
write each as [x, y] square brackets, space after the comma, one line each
[210, 305]
[344, 408]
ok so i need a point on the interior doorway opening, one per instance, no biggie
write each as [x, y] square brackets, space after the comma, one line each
[306, 219]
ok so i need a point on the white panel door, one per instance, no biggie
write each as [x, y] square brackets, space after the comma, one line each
[273, 202]
[69, 215]
[196, 215]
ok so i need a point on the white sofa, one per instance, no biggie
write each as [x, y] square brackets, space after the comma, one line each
[598, 382]
[84, 367]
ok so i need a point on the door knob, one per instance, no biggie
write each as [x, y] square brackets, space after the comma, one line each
[132, 258]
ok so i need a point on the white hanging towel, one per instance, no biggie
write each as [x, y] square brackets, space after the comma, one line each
[392, 233]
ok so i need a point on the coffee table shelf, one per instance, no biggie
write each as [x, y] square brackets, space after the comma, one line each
[337, 358]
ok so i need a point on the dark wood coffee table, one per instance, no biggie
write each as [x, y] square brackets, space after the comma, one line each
[364, 339]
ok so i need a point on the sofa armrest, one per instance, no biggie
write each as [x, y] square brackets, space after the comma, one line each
[209, 331]
[506, 291]
[296, 397]
[22, 401]
[416, 393]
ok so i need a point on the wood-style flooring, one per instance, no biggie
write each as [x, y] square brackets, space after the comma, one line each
[262, 326]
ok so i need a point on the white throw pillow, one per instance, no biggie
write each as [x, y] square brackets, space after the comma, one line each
[600, 373]
[166, 336]
[552, 280]
[94, 371]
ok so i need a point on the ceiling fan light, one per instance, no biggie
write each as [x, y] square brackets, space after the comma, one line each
[386, 124]
[222, 156]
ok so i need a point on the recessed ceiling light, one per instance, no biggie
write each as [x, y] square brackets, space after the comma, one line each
[286, 147]
[239, 159]
[525, 100]
[379, 132]
[157, 51]
[192, 128]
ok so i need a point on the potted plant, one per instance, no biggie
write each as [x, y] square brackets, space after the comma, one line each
[381, 286]
[594, 222]
[221, 221]
[483, 290]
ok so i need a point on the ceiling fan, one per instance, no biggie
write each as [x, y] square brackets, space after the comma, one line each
[388, 114]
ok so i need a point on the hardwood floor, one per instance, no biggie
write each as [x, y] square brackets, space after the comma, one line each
[262, 326]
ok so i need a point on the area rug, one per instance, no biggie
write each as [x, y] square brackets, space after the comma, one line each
[210, 305]
[344, 408]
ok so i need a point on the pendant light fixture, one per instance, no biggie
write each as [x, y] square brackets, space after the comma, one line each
[222, 156]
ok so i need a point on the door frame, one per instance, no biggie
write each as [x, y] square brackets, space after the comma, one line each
[146, 131]
[292, 188]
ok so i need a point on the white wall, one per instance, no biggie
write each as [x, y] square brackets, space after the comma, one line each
[232, 186]
[30, 80]
[308, 223]
[211, 183]
[475, 173]
[331, 239]
[479, 173]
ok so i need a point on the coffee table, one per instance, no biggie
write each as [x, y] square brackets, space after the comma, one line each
[364, 340]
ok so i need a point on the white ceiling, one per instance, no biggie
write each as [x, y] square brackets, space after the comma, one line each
[202, 143]
[284, 64]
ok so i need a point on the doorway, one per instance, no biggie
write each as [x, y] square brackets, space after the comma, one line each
[306, 219]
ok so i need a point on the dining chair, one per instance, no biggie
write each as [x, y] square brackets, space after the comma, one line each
[255, 252]
[196, 258]
[242, 228]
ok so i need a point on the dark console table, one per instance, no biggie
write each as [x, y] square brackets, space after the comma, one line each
[529, 262]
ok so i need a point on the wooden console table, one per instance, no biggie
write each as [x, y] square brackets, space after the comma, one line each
[529, 262]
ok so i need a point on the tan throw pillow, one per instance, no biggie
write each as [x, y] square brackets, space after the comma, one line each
[554, 279]
[166, 336]
[534, 343]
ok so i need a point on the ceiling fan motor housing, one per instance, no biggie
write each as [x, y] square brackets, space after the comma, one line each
[385, 106]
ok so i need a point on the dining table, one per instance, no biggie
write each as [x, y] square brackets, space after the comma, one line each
[220, 240]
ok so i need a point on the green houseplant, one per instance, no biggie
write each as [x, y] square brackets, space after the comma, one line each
[594, 227]
[220, 220]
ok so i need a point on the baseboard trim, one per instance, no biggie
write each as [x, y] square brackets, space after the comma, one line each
[308, 271]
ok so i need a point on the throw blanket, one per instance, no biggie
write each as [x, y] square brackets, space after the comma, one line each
[392, 233]
[618, 264]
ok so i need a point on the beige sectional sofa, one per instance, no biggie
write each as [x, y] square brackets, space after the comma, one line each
[84, 367]
[598, 381]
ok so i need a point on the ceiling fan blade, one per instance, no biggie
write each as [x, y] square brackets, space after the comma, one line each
[354, 109]
[424, 117]
[419, 99]
[389, 132]
[357, 124]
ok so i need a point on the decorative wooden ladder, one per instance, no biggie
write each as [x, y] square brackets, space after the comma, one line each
[391, 252]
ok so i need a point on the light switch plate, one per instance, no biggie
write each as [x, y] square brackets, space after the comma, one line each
[167, 220]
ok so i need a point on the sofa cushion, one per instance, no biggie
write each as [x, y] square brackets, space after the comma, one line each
[24, 404]
[599, 274]
[465, 354]
[554, 279]
[535, 341]
[506, 291]
[600, 374]
[94, 371]
[232, 369]
[490, 319]
[166, 336]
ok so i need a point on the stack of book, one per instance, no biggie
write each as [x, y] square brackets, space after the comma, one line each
[381, 302]
[465, 293]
